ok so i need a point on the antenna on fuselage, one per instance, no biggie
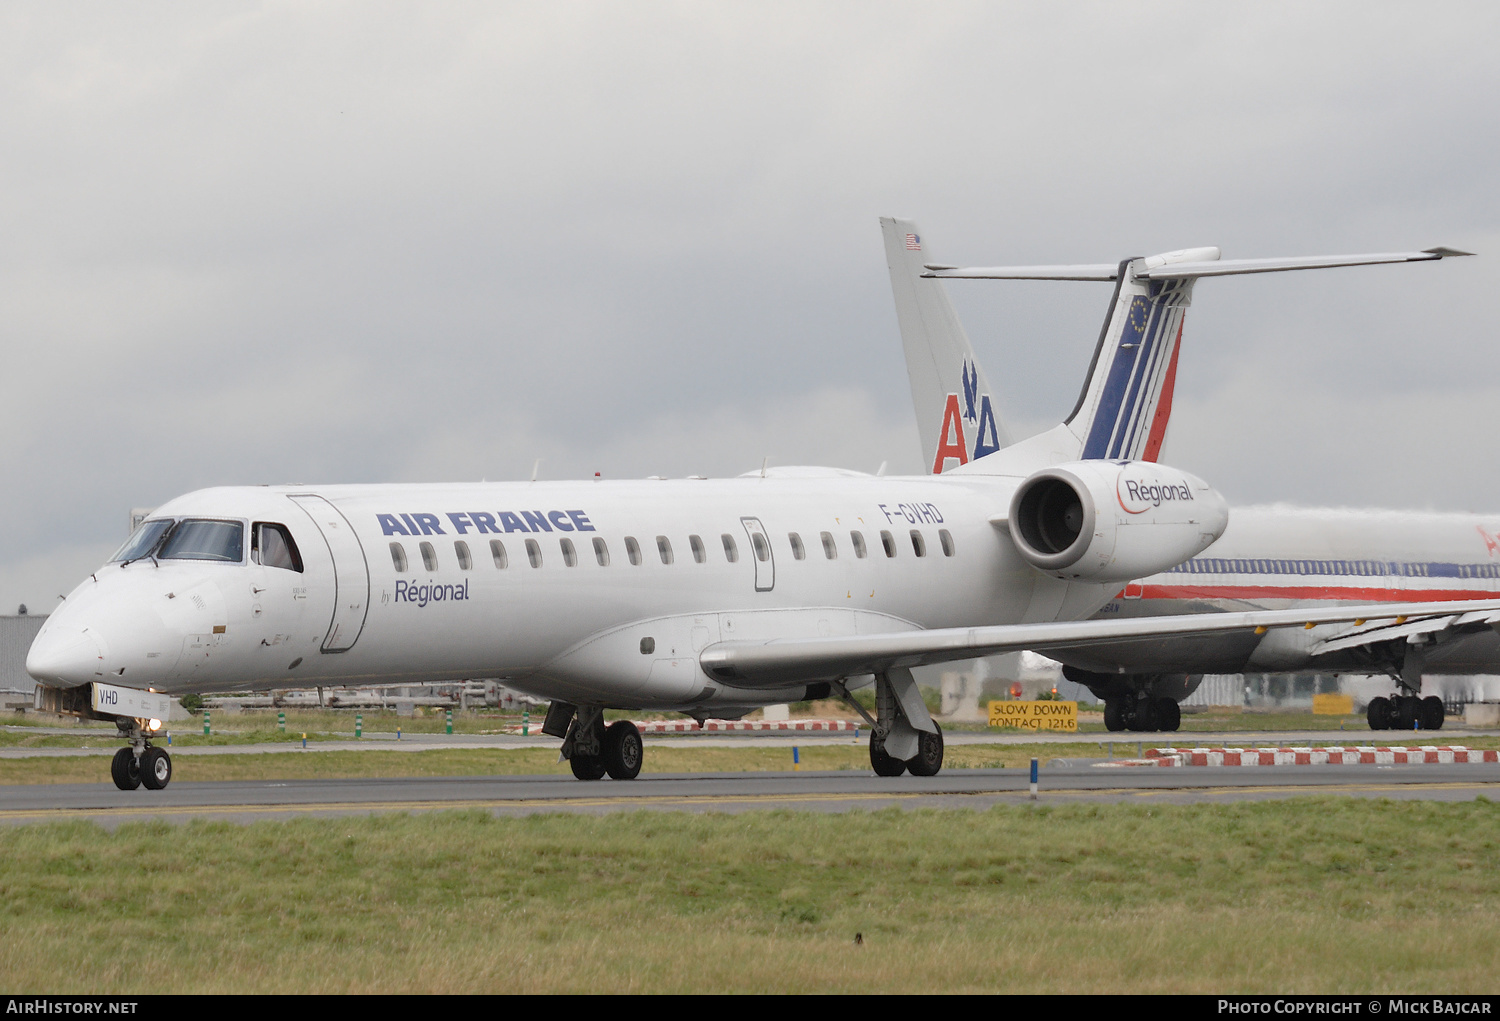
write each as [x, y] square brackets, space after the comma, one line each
[536, 468]
[764, 463]
[881, 470]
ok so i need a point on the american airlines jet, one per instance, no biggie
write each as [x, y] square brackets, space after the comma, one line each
[706, 597]
[1281, 557]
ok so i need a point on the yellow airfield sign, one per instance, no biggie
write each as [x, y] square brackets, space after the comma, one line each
[1035, 715]
[1333, 705]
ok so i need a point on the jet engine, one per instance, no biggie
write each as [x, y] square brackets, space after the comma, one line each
[1113, 520]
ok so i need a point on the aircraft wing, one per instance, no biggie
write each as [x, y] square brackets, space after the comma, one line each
[1368, 632]
[787, 661]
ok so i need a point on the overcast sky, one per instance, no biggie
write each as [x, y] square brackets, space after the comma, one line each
[300, 242]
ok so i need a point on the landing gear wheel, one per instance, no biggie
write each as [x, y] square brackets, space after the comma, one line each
[1114, 714]
[124, 770]
[1168, 714]
[883, 764]
[1143, 715]
[1407, 713]
[1378, 713]
[1432, 713]
[156, 768]
[587, 767]
[623, 752]
[929, 758]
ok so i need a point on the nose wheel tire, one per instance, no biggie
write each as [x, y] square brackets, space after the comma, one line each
[124, 770]
[156, 768]
[623, 751]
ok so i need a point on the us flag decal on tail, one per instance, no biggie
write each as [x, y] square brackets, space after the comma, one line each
[913, 243]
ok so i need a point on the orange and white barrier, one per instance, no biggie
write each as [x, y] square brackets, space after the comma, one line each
[1361, 755]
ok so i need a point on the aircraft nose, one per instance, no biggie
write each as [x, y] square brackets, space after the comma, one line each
[67, 655]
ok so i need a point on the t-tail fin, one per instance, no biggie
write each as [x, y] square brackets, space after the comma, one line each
[956, 414]
[1126, 402]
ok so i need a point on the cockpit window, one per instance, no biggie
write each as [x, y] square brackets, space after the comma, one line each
[142, 541]
[219, 541]
[272, 546]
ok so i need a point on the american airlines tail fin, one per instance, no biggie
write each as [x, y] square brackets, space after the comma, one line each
[956, 414]
[1126, 401]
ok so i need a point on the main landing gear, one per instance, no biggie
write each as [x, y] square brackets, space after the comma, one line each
[139, 764]
[591, 748]
[903, 737]
[1406, 709]
[1405, 712]
[1142, 714]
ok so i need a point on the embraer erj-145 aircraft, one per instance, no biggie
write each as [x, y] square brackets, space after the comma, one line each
[1268, 557]
[708, 597]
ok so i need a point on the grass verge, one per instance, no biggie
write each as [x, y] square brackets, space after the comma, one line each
[1304, 895]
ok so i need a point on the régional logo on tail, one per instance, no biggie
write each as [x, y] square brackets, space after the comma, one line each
[973, 416]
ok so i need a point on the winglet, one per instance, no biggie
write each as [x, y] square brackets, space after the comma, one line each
[1445, 253]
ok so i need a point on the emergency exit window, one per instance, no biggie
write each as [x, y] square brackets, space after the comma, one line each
[858, 539]
[829, 549]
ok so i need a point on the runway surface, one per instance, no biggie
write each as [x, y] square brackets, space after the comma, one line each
[734, 792]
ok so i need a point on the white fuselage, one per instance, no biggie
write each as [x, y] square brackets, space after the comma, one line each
[1275, 557]
[625, 634]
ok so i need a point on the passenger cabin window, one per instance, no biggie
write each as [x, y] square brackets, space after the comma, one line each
[798, 552]
[761, 547]
[731, 550]
[570, 555]
[946, 538]
[829, 549]
[918, 544]
[601, 552]
[664, 548]
[429, 556]
[272, 546]
[633, 551]
[497, 553]
[888, 543]
[465, 560]
[533, 553]
[398, 557]
[699, 554]
[858, 538]
[219, 541]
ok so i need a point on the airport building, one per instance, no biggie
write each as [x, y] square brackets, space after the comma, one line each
[16, 633]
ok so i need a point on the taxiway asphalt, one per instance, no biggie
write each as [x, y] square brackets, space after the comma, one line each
[735, 792]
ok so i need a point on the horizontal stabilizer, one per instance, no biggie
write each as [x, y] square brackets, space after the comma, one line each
[1142, 269]
[780, 662]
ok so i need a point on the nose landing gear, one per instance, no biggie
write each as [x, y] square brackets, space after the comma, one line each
[140, 764]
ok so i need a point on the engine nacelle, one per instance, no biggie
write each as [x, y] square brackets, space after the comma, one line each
[1113, 520]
